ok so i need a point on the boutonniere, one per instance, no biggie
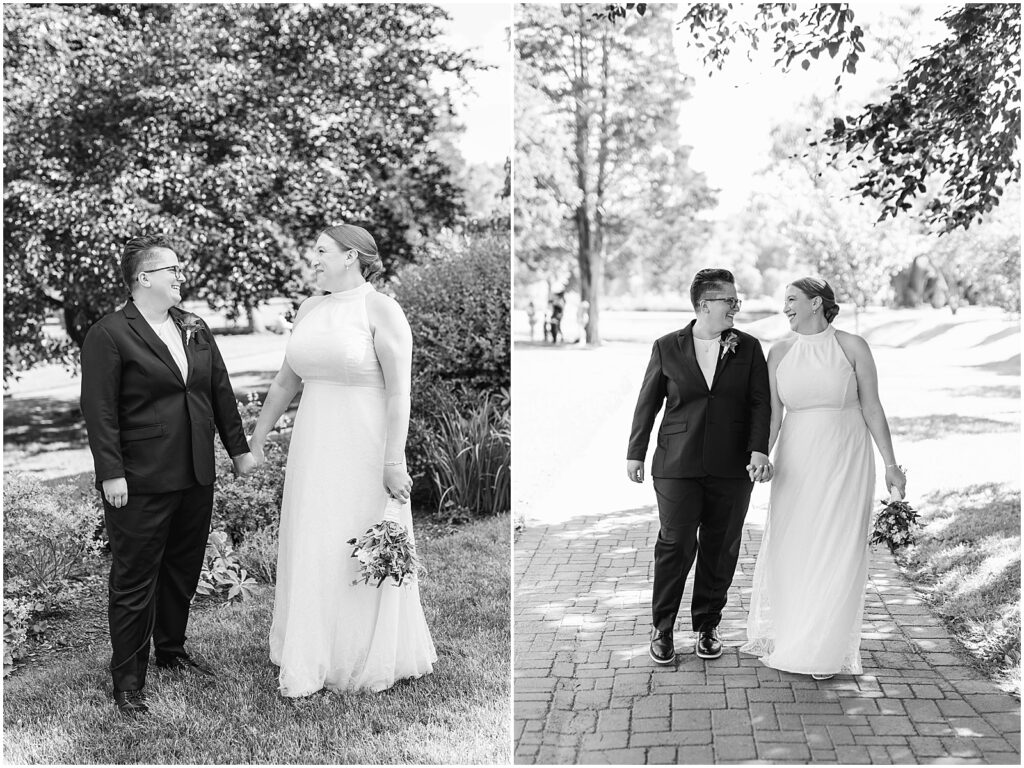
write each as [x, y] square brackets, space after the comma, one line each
[191, 325]
[729, 343]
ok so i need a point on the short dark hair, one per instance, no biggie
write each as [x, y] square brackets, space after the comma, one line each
[709, 280]
[137, 250]
[816, 286]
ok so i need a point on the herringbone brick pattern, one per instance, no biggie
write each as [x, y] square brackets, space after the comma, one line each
[586, 691]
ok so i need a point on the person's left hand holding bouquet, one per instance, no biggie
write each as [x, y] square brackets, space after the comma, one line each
[397, 481]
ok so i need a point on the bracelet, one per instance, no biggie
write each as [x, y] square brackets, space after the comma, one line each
[394, 463]
[891, 465]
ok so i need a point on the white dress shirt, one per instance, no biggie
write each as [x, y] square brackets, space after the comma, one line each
[707, 356]
[171, 337]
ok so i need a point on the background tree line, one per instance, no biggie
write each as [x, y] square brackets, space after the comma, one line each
[880, 195]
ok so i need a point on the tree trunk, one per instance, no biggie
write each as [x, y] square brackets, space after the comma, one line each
[599, 247]
[584, 214]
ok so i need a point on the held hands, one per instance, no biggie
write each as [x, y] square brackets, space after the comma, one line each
[256, 449]
[635, 470]
[115, 491]
[760, 469]
[397, 482]
[245, 464]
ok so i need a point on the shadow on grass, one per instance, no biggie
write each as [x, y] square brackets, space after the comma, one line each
[967, 555]
[62, 712]
[1004, 391]
[999, 336]
[939, 425]
[37, 424]
[1008, 367]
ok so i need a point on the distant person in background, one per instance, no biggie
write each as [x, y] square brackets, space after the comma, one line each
[557, 312]
[808, 594]
[583, 320]
[531, 317]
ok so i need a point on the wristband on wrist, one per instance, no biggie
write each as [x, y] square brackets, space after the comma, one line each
[394, 463]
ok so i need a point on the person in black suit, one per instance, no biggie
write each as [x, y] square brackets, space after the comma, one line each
[154, 391]
[712, 446]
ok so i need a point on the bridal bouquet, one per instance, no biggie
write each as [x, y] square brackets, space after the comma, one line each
[386, 550]
[894, 522]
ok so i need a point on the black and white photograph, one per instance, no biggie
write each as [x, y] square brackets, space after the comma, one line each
[257, 441]
[766, 384]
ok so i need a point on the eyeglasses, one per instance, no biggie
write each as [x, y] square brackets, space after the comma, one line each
[179, 272]
[733, 303]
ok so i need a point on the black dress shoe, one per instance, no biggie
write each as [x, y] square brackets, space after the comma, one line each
[184, 663]
[130, 703]
[708, 644]
[662, 651]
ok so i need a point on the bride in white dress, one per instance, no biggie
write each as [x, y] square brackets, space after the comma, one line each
[352, 351]
[809, 579]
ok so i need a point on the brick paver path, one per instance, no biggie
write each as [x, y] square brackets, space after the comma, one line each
[586, 691]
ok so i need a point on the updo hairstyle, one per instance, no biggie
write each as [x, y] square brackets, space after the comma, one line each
[351, 237]
[815, 286]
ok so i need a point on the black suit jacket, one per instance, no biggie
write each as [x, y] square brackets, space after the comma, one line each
[704, 431]
[145, 422]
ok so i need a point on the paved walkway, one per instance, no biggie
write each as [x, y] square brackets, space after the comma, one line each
[586, 691]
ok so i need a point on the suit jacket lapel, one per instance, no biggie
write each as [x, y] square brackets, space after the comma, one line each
[176, 316]
[685, 340]
[723, 360]
[139, 324]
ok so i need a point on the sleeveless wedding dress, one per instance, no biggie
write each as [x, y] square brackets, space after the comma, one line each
[327, 632]
[808, 590]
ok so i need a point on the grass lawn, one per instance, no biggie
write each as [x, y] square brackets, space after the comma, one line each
[60, 710]
[967, 560]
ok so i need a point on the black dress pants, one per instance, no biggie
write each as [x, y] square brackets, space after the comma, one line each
[702, 519]
[157, 542]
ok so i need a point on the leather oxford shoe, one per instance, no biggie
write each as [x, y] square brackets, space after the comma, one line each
[130, 703]
[184, 663]
[662, 650]
[708, 644]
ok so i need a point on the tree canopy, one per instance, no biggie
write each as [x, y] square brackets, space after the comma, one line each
[950, 126]
[239, 130]
[952, 123]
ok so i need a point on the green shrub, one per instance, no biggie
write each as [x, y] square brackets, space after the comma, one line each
[458, 305]
[50, 553]
[470, 460]
[258, 554]
[223, 575]
[244, 505]
[48, 534]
